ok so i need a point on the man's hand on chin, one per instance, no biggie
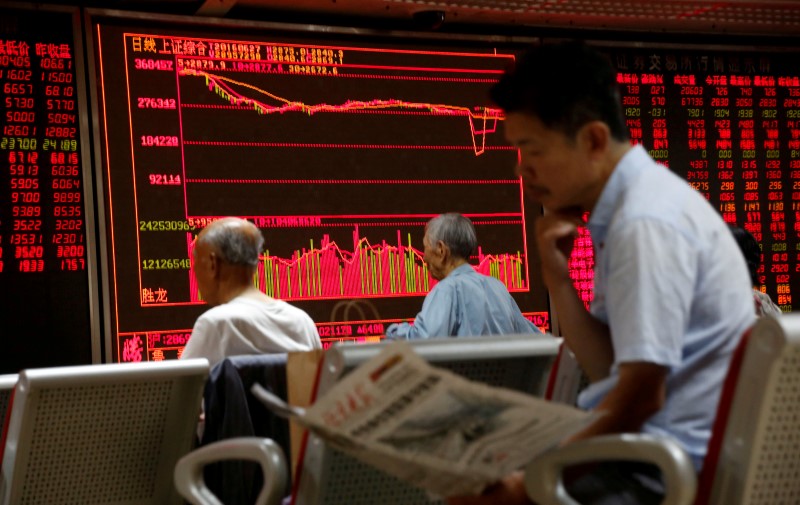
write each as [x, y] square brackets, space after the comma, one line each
[509, 491]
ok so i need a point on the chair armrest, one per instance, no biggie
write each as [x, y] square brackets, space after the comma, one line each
[543, 476]
[189, 469]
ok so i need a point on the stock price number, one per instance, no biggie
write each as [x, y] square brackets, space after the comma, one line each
[66, 183]
[370, 329]
[312, 69]
[166, 264]
[175, 338]
[159, 141]
[57, 104]
[339, 330]
[17, 75]
[19, 102]
[69, 225]
[60, 145]
[70, 251]
[73, 264]
[165, 179]
[165, 226]
[67, 211]
[24, 183]
[28, 225]
[14, 61]
[58, 77]
[15, 130]
[25, 197]
[25, 239]
[67, 197]
[60, 118]
[156, 103]
[56, 64]
[29, 266]
[29, 252]
[26, 211]
[61, 158]
[60, 132]
[21, 116]
[12, 143]
[148, 64]
[17, 88]
[67, 238]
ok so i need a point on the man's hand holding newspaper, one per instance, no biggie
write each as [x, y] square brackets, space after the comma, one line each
[430, 427]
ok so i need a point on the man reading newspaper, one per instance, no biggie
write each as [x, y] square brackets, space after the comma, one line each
[430, 427]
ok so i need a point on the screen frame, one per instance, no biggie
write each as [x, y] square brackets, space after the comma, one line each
[93, 17]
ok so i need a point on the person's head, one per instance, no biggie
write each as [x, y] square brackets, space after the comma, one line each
[449, 241]
[563, 111]
[750, 250]
[225, 258]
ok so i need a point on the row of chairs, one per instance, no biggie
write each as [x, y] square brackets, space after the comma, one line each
[121, 433]
[753, 458]
[114, 433]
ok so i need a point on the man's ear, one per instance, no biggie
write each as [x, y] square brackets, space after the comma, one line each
[214, 264]
[594, 137]
[443, 250]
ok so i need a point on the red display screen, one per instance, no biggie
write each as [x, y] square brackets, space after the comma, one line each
[44, 300]
[728, 121]
[338, 150]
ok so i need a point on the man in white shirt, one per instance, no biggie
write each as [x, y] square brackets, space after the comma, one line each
[243, 320]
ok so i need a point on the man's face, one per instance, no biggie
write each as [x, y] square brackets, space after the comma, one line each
[433, 257]
[554, 170]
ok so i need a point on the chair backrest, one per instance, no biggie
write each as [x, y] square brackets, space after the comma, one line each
[327, 476]
[754, 453]
[231, 411]
[100, 433]
[7, 383]
[566, 378]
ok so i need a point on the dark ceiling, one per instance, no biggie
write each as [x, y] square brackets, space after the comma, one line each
[727, 18]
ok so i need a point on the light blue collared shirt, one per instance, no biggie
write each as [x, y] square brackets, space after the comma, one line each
[673, 287]
[465, 303]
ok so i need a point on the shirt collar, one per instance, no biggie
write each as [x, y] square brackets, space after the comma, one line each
[628, 167]
[461, 270]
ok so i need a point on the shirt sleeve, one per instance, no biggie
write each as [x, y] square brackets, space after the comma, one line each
[651, 273]
[312, 333]
[522, 324]
[397, 331]
[434, 320]
[199, 345]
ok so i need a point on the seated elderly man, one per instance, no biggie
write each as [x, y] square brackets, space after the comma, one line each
[243, 320]
[463, 302]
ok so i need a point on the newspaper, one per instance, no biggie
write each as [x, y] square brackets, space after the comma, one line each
[430, 427]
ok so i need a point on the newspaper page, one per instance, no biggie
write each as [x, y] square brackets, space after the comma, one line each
[430, 427]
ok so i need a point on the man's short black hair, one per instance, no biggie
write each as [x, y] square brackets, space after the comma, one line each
[565, 86]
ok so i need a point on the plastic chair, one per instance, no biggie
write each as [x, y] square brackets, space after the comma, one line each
[100, 433]
[232, 412]
[327, 476]
[754, 453]
[189, 470]
[543, 476]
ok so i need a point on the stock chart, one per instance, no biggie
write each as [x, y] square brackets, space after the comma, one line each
[339, 151]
